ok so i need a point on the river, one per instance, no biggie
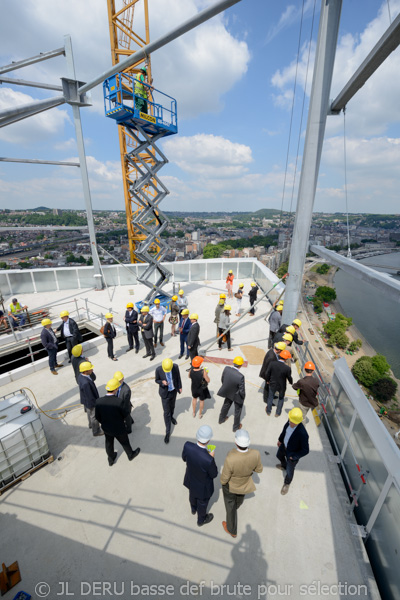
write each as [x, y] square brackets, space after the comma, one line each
[377, 317]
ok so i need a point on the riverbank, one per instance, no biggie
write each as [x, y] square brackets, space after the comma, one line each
[392, 423]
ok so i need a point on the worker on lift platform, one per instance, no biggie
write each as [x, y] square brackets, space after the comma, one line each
[140, 91]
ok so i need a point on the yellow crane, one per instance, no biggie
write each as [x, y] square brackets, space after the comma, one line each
[125, 42]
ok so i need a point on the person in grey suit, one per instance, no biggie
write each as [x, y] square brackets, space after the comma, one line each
[193, 340]
[233, 390]
[146, 327]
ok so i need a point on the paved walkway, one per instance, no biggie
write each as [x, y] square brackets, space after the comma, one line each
[110, 532]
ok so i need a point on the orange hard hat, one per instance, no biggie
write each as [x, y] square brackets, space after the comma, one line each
[285, 354]
[309, 366]
[196, 362]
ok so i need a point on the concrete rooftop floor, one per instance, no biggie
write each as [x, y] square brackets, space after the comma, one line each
[104, 531]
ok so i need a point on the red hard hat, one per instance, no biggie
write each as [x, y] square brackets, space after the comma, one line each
[310, 366]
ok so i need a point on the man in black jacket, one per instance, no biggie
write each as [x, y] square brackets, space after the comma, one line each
[233, 390]
[200, 472]
[271, 356]
[124, 393]
[69, 332]
[77, 359]
[132, 327]
[89, 395]
[193, 340]
[111, 413]
[276, 375]
[292, 329]
[146, 327]
[253, 297]
[168, 378]
[292, 445]
[49, 341]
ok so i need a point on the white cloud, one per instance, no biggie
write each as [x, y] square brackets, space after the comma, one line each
[290, 15]
[35, 129]
[209, 155]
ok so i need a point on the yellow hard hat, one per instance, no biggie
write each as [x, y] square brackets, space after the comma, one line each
[288, 337]
[280, 302]
[238, 360]
[185, 311]
[230, 271]
[279, 307]
[253, 284]
[46, 322]
[129, 305]
[77, 350]
[181, 292]
[297, 322]
[118, 375]
[157, 301]
[194, 316]
[290, 329]
[144, 309]
[112, 385]
[167, 365]
[295, 415]
[108, 316]
[64, 313]
[241, 285]
[280, 346]
[227, 307]
[222, 296]
[174, 298]
[85, 366]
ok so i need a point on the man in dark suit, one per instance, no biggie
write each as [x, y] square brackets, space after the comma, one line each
[132, 327]
[184, 327]
[111, 413]
[277, 374]
[292, 445]
[146, 327]
[77, 359]
[271, 356]
[233, 390]
[49, 341]
[200, 472]
[168, 378]
[89, 395]
[124, 393]
[69, 332]
[193, 340]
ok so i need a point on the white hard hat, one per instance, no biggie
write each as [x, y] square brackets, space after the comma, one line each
[242, 438]
[204, 434]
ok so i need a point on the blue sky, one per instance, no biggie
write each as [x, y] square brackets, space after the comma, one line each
[233, 80]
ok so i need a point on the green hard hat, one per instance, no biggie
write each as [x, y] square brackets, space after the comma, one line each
[144, 69]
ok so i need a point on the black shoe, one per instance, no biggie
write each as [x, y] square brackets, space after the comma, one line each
[166, 439]
[174, 421]
[111, 462]
[128, 349]
[180, 356]
[187, 358]
[208, 519]
[98, 434]
[137, 350]
[153, 357]
[69, 360]
[194, 511]
[135, 453]
[146, 355]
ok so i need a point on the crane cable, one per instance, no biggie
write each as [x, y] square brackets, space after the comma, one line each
[345, 182]
[291, 115]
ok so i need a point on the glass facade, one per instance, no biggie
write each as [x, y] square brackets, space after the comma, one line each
[4, 287]
[21, 282]
[198, 271]
[68, 279]
[45, 281]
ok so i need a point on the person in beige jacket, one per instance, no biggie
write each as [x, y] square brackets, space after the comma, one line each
[236, 478]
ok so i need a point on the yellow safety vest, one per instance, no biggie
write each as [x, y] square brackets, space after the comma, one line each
[15, 307]
[139, 88]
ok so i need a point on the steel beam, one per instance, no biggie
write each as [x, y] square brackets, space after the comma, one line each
[45, 86]
[36, 161]
[389, 286]
[198, 19]
[30, 61]
[385, 46]
[317, 114]
[17, 113]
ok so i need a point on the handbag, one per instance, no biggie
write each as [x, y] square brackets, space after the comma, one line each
[102, 330]
[238, 295]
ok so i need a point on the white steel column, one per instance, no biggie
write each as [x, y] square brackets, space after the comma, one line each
[319, 106]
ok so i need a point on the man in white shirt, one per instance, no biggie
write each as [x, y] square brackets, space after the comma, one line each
[158, 313]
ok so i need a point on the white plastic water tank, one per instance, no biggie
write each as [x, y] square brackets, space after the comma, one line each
[23, 443]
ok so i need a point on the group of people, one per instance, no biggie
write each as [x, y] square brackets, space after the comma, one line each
[110, 415]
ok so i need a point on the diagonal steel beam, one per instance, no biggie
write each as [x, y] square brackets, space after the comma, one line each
[385, 46]
[30, 61]
[12, 115]
[45, 86]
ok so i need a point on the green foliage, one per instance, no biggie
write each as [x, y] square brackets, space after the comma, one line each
[325, 293]
[180, 234]
[365, 372]
[4, 265]
[381, 364]
[282, 270]
[369, 241]
[212, 251]
[25, 265]
[355, 346]
[339, 339]
[67, 218]
[384, 389]
[89, 261]
[323, 269]
[72, 258]
[335, 248]
[317, 305]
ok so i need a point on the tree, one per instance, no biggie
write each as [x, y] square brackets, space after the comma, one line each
[3, 265]
[282, 270]
[355, 346]
[317, 305]
[212, 251]
[384, 389]
[323, 269]
[381, 364]
[89, 261]
[180, 234]
[365, 372]
[325, 293]
[339, 339]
